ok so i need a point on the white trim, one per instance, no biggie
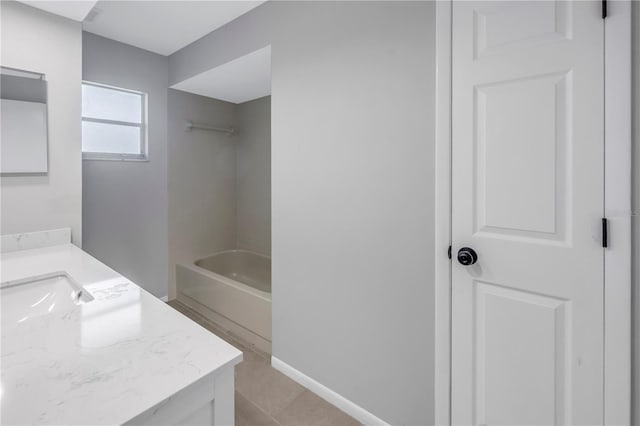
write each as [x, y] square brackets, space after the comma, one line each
[327, 394]
[617, 209]
[617, 257]
[164, 298]
[105, 156]
[442, 373]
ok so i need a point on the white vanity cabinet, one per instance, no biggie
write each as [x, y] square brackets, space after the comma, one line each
[210, 401]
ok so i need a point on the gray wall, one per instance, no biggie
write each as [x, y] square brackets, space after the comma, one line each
[636, 209]
[124, 203]
[353, 202]
[253, 175]
[202, 200]
[37, 41]
[352, 192]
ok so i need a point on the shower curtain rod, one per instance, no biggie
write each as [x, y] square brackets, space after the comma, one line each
[191, 125]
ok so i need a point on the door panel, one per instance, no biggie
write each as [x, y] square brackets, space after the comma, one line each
[501, 29]
[522, 356]
[521, 159]
[527, 195]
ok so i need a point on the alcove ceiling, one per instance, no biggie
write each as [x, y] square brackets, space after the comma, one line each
[243, 79]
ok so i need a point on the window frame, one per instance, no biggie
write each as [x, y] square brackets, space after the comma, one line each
[115, 156]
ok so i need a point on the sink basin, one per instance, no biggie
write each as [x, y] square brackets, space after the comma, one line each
[33, 297]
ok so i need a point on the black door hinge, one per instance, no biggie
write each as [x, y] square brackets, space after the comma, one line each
[604, 9]
[605, 232]
[449, 252]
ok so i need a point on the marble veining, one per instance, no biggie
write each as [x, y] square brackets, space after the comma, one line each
[31, 240]
[101, 362]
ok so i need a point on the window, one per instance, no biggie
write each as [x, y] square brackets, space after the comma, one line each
[113, 123]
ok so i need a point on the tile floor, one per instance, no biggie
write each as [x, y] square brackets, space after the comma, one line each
[266, 397]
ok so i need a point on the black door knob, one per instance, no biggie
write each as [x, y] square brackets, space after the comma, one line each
[467, 256]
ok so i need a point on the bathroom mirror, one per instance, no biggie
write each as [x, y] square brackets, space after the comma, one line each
[23, 122]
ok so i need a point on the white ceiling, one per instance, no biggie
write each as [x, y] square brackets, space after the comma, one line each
[162, 26]
[76, 9]
[241, 80]
[165, 26]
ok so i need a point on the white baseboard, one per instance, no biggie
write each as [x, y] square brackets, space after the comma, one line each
[327, 394]
[165, 298]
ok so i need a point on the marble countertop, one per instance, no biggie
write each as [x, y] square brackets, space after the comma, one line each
[101, 362]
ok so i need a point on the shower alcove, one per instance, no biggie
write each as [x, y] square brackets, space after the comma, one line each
[220, 195]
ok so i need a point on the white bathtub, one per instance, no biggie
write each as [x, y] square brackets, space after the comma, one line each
[232, 288]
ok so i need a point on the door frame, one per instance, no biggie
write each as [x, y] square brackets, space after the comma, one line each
[617, 257]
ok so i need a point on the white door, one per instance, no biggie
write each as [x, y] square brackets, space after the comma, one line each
[527, 196]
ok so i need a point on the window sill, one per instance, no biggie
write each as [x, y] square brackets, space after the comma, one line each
[114, 157]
